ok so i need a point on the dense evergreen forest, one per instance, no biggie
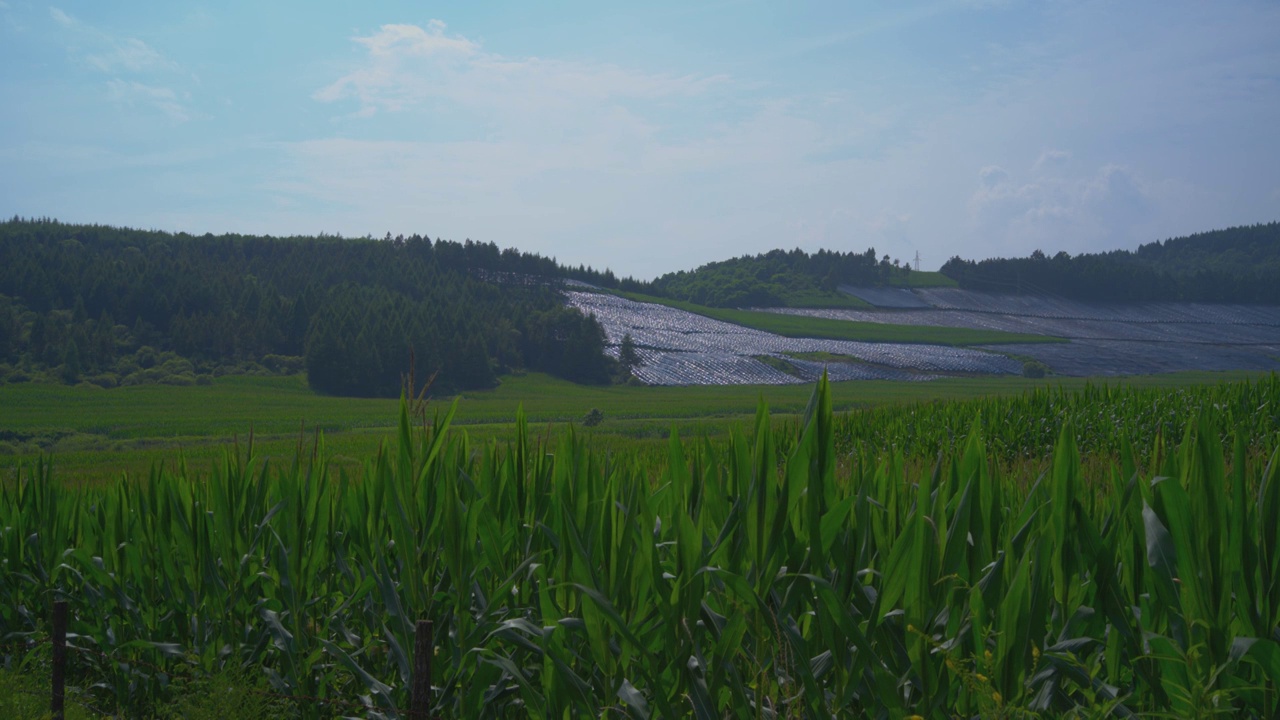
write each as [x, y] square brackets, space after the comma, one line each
[110, 306]
[777, 278]
[1240, 265]
[115, 306]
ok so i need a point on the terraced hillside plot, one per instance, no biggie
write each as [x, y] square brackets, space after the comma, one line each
[1054, 307]
[1105, 338]
[886, 297]
[681, 348]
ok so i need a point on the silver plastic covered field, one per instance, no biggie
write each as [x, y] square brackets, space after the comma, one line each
[681, 348]
[1106, 338]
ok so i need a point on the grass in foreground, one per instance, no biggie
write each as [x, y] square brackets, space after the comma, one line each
[95, 434]
[282, 405]
[800, 326]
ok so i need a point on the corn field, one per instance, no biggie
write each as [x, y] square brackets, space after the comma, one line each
[1102, 418]
[759, 577]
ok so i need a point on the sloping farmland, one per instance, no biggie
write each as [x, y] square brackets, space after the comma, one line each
[681, 348]
[1105, 338]
[886, 297]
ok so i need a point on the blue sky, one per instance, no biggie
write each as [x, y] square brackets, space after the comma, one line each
[650, 137]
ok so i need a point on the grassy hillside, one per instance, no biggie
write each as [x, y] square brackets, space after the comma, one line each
[926, 279]
[800, 326]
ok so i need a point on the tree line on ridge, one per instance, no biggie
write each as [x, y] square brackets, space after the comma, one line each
[1235, 265]
[120, 306]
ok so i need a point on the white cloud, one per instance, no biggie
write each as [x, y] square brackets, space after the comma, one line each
[590, 161]
[407, 66]
[1051, 159]
[894, 229]
[130, 55]
[12, 21]
[414, 40]
[1182, 117]
[1070, 138]
[124, 59]
[133, 93]
[620, 193]
[111, 54]
[1054, 212]
[992, 176]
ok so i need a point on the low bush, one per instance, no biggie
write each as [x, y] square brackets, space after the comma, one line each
[1034, 369]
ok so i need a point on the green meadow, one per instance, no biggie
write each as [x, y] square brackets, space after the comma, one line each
[95, 434]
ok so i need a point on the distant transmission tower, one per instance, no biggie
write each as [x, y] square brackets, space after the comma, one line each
[917, 261]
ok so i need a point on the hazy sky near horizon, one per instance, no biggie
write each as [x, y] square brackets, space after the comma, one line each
[650, 137]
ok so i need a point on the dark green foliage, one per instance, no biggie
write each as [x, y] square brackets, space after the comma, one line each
[779, 364]
[573, 345]
[10, 329]
[238, 694]
[778, 278]
[25, 691]
[584, 359]
[71, 362]
[470, 366]
[1034, 369]
[79, 300]
[1239, 265]
[628, 358]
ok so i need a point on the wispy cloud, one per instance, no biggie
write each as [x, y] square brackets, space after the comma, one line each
[109, 53]
[8, 18]
[1075, 140]
[407, 66]
[616, 191]
[412, 39]
[125, 59]
[896, 17]
[1055, 212]
[1051, 159]
[131, 55]
[166, 100]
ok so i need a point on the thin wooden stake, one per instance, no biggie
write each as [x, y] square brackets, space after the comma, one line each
[423, 649]
[59, 658]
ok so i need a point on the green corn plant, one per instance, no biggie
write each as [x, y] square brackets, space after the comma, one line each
[1111, 551]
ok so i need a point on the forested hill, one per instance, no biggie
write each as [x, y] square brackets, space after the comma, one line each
[1240, 265]
[119, 306]
[777, 278]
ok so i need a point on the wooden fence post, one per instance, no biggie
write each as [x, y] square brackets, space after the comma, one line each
[59, 658]
[423, 648]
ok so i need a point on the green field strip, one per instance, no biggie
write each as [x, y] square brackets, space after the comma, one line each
[798, 326]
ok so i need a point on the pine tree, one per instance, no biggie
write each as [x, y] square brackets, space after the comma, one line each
[71, 363]
[10, 330]
[628, 358]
